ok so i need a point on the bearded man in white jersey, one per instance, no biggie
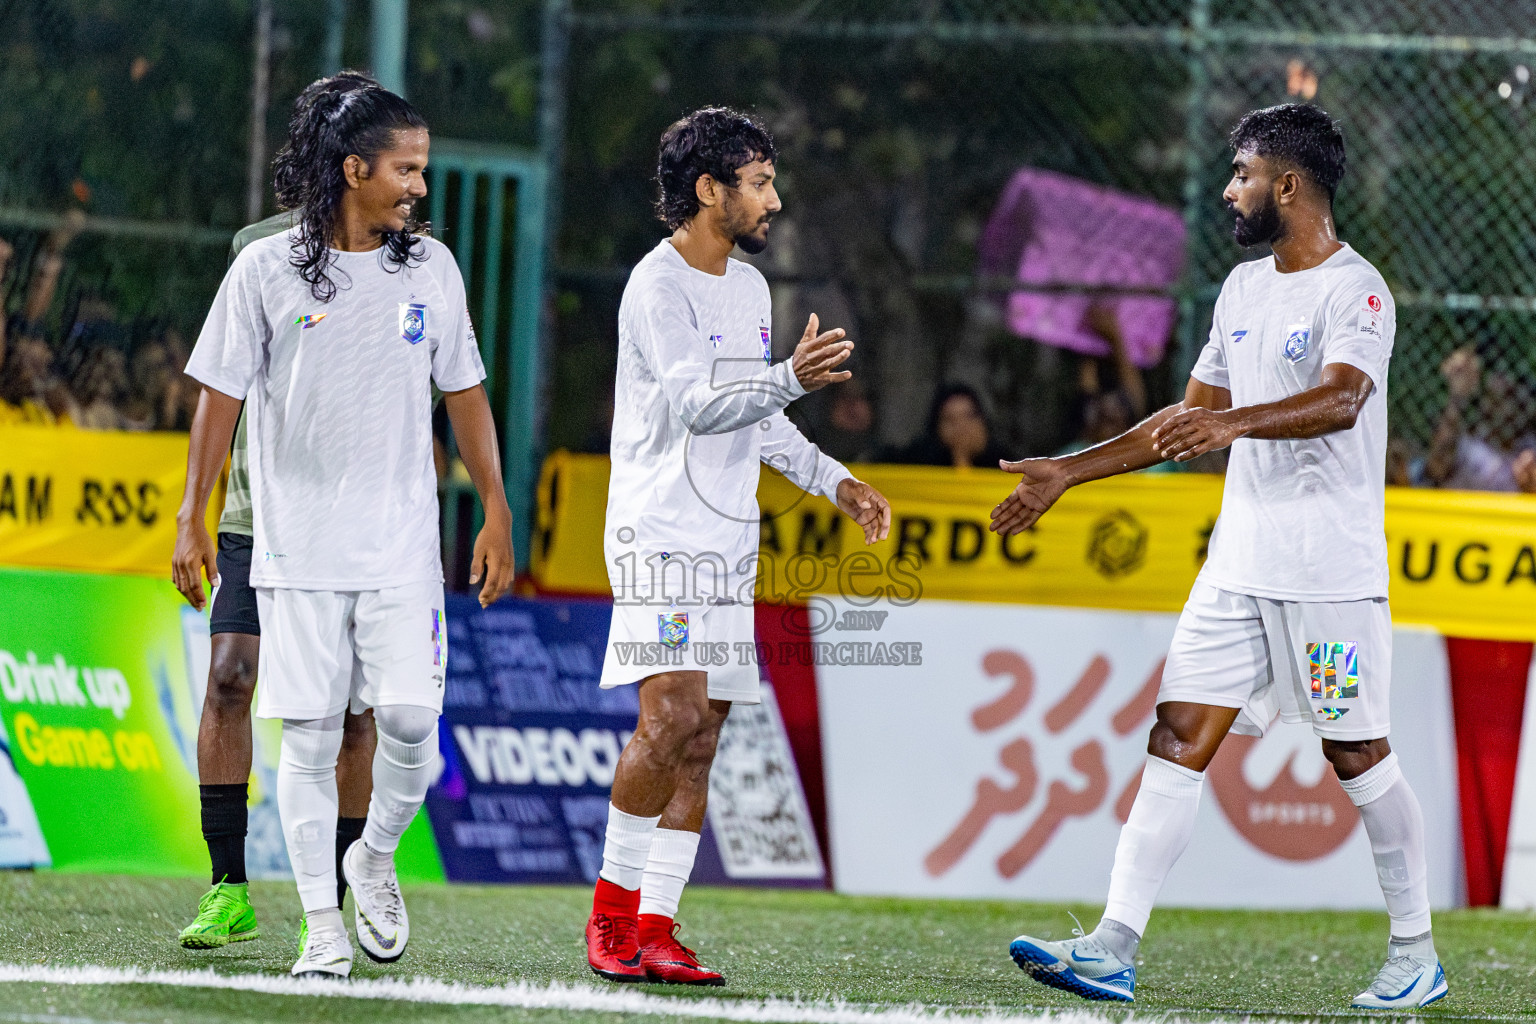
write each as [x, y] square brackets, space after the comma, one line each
[698, 406]
[1289, 613]
[333, 334]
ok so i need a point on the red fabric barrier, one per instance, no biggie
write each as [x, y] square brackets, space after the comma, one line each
[1488, 681]
[783, 629]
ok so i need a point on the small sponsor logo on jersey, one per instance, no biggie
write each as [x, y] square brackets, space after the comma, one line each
[413, 321]
[1297, 342]
[1374, 303]
[273, 554]
[469, 325]
[1238, 336]
[309, 320]
[672, 628]
[767, 335]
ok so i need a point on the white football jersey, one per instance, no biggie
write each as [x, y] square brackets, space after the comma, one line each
[698, 405]
[339, 406]
[1302, 520]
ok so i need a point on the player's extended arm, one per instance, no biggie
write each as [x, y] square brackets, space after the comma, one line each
[710, 407]
[813, 471]
[1333, 405]
[474, 430]
[213, 427]
[1044, 481]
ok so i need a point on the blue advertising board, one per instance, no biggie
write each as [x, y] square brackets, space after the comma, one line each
[530, 745]
[529, 741]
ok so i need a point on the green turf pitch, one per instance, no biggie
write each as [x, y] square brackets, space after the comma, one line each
[875, 952]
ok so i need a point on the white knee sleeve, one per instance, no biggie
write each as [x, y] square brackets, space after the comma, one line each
[401, 774]
[306, 804]
[407, 734]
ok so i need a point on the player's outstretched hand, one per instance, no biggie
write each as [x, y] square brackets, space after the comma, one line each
[818, 356]
[1193, 432]
[195, 555]
[1044, 481]
[493, 561]
[867, 507]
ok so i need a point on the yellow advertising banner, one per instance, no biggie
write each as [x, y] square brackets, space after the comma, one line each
[1464, 564]
[99, 501]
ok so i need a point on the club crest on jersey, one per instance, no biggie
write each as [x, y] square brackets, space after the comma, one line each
[309, 320]
[715, 340]
[1297, 342]
[413, 321]
[673, 628]
[767, 336]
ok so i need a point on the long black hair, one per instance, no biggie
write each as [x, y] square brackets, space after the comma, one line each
[336, 117]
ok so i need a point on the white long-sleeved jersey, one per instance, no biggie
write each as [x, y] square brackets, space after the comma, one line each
[698, 405]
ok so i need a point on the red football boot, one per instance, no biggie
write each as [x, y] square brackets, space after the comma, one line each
[613, 948]
[668, 961]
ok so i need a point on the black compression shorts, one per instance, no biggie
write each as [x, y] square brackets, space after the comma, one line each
[234, 606]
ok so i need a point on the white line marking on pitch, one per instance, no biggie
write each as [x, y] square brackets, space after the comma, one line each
[523, 995]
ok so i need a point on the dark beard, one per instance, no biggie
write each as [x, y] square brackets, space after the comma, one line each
[751, 244]
[740, 231]
[1259, 227]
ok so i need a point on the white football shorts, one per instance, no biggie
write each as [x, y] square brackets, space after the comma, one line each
[646, 639]
[1325, 663]
[323, 650]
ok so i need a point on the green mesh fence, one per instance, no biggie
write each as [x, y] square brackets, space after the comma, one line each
[901, 121]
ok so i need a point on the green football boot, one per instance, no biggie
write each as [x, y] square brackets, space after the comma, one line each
[224, 915]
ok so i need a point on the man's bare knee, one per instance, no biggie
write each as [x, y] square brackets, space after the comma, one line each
[672, 712]
[701, 747]
[1189, 734]
[1353, 758]
[231, 679]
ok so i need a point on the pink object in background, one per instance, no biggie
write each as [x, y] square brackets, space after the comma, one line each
[1061, 233]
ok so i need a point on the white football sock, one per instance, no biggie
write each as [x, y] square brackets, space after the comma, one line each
[327, 920]
[402, 770]
[1394, 823]
[667, 870]
[1161, 821]
[306, 805]
[626, 848]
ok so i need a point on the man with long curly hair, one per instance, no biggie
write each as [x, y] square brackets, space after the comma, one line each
[333, 333]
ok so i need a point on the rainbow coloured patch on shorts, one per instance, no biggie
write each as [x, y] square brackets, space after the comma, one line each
[1332, 714]
[673, 628]
[304, 323]
[1325, 660]
[439, 635]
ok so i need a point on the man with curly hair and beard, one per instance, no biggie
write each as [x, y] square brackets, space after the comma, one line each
[698, 407]
[333, 334]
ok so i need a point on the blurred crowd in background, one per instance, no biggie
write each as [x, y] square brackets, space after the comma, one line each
[96, 373]
[895, 170]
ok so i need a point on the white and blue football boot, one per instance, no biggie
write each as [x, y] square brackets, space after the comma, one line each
[1405, 983]
[1082, 965]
